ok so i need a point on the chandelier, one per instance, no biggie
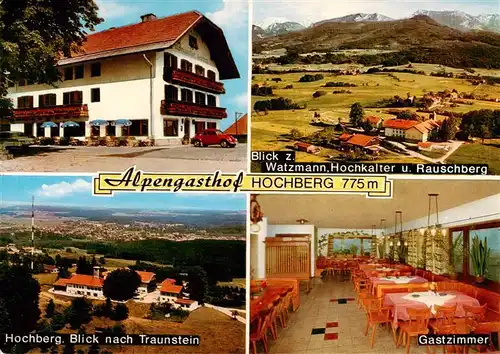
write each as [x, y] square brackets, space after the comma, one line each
[433, 229]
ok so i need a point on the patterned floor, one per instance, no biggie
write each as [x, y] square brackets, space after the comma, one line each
[329, 321]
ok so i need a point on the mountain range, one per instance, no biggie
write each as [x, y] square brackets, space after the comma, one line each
[455, 19]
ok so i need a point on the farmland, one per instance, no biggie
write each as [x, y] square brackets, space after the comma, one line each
[271, 129]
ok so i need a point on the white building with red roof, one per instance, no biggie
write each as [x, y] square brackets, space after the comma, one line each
[148, 280]
[158, 78]
[173, 294]
[410, 130]
[81, 285]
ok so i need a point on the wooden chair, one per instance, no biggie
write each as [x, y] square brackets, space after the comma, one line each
[487, 328]
[260, 331]
[474, 314]
[417, 325]
[445, 316]
[375, 314]
[451, 329]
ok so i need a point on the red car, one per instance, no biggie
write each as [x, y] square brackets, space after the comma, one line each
[214, 137]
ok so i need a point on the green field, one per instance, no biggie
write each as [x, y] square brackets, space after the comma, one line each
[488, 153]
[269, 131]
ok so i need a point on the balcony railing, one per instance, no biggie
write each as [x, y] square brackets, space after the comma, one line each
[192, 80]
[62, 111]
[178, 108]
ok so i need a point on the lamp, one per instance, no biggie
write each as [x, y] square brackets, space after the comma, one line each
[302, 221]
[433, 231]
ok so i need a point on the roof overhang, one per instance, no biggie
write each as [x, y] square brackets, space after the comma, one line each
[210, 33]
[116, 52]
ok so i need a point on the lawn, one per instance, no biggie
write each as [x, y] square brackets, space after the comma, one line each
[488, 153]
[239, 282]
[270, 131]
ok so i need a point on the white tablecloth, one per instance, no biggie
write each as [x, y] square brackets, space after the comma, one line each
[430, 299]
[399, 280]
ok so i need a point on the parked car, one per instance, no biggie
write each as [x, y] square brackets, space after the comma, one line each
[214, 137]
[15, 140]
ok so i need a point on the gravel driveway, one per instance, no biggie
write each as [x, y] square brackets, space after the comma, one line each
[180, 158]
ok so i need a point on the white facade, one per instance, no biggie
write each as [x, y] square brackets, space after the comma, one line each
[168, 297]
[399, 133]
[127, 90]
[84, 290]
[188, 307]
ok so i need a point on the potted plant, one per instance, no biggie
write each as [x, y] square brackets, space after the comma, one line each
[186, 140]
[479, 254]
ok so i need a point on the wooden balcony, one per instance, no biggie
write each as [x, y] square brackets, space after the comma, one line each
[61, 111]
[192, 80]
[178, 108]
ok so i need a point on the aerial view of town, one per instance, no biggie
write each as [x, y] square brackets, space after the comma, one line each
[417, 86]
[71, 262]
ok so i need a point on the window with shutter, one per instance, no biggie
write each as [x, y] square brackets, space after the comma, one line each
[171, 93]
[170, 61]
[199, 98]
[200, 70]
[186, 65]
[211, 75]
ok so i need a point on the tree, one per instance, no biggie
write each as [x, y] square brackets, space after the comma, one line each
[69, 349]
[49, 311]
[33, 35]
[94, 349]
[406, 114]
[19, 295]
[449, 128]
[121, 284]
[198, 281]
[356, 114]
[84, 267]
[367, 126]
[58, 321]
[79, 312]
[121, 312]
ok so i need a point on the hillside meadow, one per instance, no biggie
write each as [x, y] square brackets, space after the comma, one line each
[270, 131]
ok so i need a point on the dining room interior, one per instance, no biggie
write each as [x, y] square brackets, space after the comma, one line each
[348, 273]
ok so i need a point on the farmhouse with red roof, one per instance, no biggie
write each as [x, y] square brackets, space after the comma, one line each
[410, 130]
[82, 285]
[158, 78]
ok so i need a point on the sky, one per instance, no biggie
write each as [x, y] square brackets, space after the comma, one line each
[310, 11]
[230, 15]
[77, 191]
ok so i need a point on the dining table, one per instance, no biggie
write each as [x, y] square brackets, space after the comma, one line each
[393, 280]
[265, 299]
[400, 302]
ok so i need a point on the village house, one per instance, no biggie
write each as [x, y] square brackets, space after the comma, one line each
[148, 280]
[82, 285]
[375, 122]
[48, 268]
[305, 147]
[239, 129]
[360, 141]
[410, 130]
[159, 78]
[169, 292]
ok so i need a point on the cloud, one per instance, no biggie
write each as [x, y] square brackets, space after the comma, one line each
[64, 189]
[113, 9]
[241, 101]
[234, 14]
